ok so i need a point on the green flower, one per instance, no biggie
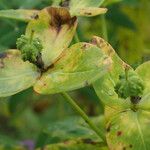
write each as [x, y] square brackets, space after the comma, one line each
[44, 61]
[30, 48]
[129, 85]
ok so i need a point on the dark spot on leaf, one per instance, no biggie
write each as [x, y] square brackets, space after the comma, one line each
[51, 66]
[89, 141]
[135, 99]
[44, 84]
[64, 3]
[59, 17]
[124, 148]
[130, 146]
[35, 16]
[86, 83]
[39, 63]
[119, 133]
[85, 46]
[123, 111]
[108, 128]
[94, 41]
[88, 13]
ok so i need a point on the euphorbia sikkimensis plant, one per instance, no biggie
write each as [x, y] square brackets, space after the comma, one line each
[45, 60]
[52, 66]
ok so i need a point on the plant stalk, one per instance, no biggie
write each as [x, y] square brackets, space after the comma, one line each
[83, 115]
[104, 28]
[76, 38]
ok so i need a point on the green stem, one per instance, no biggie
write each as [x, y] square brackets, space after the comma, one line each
[126, 71]
[83, 115]
[76, 38]
[31, 36]
[104, 28]
[102, 1]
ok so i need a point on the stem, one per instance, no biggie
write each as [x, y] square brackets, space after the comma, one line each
[31, 36]
[83, 115]
[126, 71]
[76, 38]
[104, 28]
[126, 74]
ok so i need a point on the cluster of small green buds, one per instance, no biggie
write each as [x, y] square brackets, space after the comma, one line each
[30, 48]
[129, 85]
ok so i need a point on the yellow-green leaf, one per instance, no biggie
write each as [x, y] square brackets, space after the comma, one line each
[126, 123]
[91, 11]
[127, 129]
[105, 87]
[15, 75]
[55, 28]
[19, 14]
[84, 144]
[77, 67]
[144, 72]
[86, 8]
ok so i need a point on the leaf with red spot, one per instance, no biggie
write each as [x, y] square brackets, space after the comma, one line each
[127, 124]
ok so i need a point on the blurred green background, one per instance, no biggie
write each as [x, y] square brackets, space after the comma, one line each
[24, 116]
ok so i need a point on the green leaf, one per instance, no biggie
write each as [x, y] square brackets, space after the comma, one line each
[77, 67]
[144, 72]
[73, 128]
[73, 133]
[19, 14]
[76, 145]
[15, 75]
[128, 129]
[90, 11]
[86, 7]
[55, 28]
[104, 87]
